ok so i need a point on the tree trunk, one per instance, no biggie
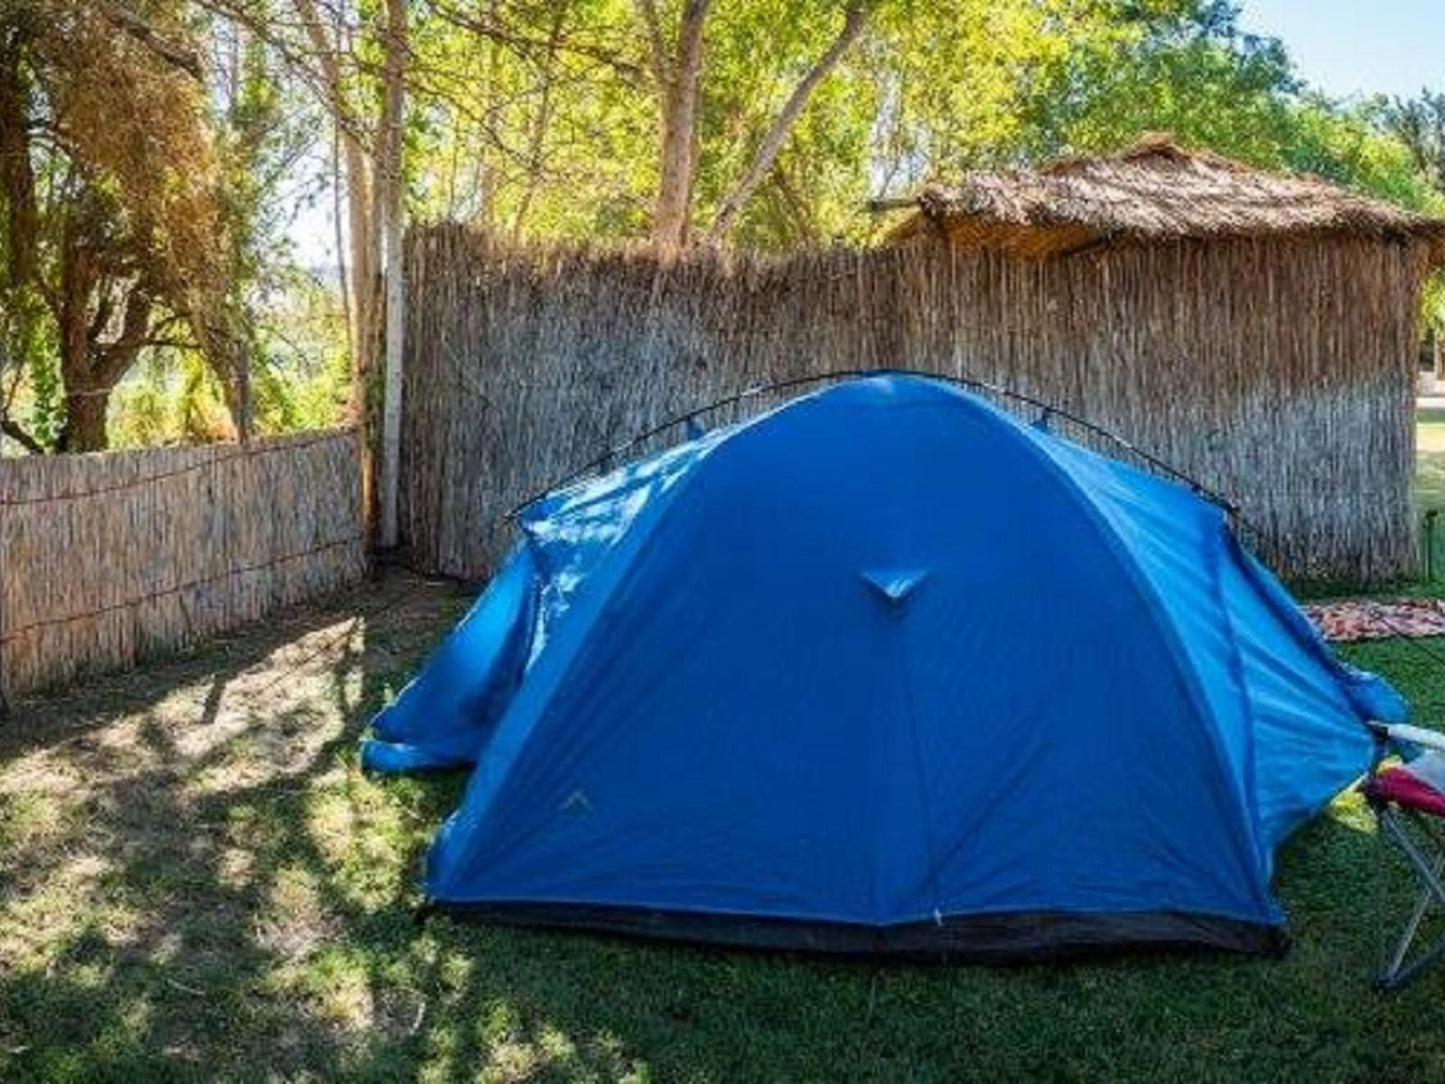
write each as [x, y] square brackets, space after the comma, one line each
[219, 330]
[363, 235]
[87, 399]
[363, 239]
[343, 262]
[365, 267]
[679, 95]
[90, 367]
[85, 413]
[16, 174]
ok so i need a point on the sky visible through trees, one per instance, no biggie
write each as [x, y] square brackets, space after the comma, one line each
[1357, 47]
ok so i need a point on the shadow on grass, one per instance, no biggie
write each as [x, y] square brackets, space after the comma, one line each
[198, 883]
[161, 854]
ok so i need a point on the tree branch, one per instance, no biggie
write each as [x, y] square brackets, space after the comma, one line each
[172, 52]
[540, 123]
[114, 358]
[316, 64]
[20, 436]
[647, 9]
[331, 78]
[490, 27]
[782, 126]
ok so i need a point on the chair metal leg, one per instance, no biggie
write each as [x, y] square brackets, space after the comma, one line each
[1396, 973]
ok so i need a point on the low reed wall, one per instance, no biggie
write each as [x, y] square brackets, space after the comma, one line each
[111, 557]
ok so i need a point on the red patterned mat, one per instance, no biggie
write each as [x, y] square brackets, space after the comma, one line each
[1365, 619]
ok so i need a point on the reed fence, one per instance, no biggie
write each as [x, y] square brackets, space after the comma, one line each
[1276, 372]
[112, 557]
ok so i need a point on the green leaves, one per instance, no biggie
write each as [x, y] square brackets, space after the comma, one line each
[543, 119]
[929, 90]
[1186, 67]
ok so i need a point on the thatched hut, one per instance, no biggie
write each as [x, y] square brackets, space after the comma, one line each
[1256, 332]
[1258, 329]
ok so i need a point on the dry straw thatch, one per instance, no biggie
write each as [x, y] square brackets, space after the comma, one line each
[111, 557]
[1274, 369]
[1154, 191]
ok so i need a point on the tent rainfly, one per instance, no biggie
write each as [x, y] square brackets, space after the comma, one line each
[882, 671]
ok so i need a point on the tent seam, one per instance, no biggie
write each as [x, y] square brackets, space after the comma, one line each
[1237, 671]
[1143, 589]
[930, 839]
[628, 561]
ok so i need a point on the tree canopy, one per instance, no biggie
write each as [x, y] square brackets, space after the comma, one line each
[155, 156]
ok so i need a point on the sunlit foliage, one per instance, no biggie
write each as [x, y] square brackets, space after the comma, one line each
[541, 119]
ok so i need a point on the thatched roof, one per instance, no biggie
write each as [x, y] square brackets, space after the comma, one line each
[1155, 190]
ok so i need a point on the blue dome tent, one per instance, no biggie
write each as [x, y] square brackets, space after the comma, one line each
[883, 670]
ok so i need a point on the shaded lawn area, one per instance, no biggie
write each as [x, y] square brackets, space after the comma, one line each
[197, 883]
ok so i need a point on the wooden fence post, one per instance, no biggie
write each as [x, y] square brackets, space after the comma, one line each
[392, 212]
[391, 390]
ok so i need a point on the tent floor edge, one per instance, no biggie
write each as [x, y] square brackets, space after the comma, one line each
[1000, 938]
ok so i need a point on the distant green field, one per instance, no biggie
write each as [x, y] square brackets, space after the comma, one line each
[1430, 467]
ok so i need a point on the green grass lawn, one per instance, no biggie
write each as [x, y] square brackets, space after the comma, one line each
[1430, 458]
[196, 882]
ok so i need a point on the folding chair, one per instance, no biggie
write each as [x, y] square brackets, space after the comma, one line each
[1408, 800]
